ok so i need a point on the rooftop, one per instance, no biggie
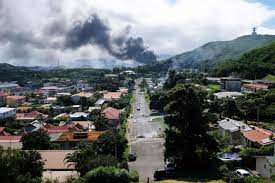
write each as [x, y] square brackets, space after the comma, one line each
[6, 109]
[16, 97]
[233, 125]
[112, 95]
[259, 135]
[55, 159]
[228, 94]
[84, 94]
[111, 113]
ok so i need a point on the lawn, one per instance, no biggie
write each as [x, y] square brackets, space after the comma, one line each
[269, 77]
[161, 121]
[214, 87]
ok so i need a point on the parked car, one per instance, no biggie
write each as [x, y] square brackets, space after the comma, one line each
[242, 173]
[169, 167]
[162, 174]
[132, 157]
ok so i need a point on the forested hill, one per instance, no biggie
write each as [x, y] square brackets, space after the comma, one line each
[256, 63]
[214, 52]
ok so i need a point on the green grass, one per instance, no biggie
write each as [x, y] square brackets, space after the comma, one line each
[269, 77]
[161, 121]
[214, 87]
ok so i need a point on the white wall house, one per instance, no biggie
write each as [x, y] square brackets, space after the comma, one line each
[265, 165]
[6, 112]
[232, 129]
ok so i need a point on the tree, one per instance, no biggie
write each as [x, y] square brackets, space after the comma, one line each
[86, 159]
[230, 108]
[36, 141]
[108, 174]
[100, 123]
[187, 142]
[113, 142]
[27, 166]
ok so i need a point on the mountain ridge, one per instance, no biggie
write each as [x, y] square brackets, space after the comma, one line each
[212, 53]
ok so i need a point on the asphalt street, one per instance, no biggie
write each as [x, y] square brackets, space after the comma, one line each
[144, 139]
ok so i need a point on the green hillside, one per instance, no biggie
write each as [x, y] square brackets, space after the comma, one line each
[211, 53]
[257, 63]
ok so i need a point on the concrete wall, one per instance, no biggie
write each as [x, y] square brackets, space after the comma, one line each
[264, 168]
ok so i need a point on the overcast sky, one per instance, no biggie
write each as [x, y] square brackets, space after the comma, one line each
[39, 32]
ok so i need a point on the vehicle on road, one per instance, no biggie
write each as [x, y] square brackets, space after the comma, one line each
[242, 173]
[162, 174]
[138, 109]
[132, 157]
[141, 136]
[169, 167]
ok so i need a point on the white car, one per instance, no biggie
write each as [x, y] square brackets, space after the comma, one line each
[243, 173]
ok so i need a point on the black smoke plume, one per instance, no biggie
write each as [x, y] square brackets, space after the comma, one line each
[95, 32]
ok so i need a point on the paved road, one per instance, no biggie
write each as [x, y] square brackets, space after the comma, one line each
[149, 149]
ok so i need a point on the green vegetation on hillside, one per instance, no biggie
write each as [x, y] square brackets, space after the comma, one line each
[212, 53]
[269, 77]
[254, 64]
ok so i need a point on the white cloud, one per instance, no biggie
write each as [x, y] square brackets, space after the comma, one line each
[167, 27]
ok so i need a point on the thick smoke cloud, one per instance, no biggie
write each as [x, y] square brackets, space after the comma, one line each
[96, 32]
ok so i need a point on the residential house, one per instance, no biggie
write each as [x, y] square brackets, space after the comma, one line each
[76, 97]
[56, 167]
[90, 109]
[50, 100]
[49, 129]
[33, 126]
[122, 90]
[76, 108]
[30, 116]
[82, 85]
[3, 96]
[6, 112]
[15, 101]
[78, 115]
[231, 84]
[8, 87]
[100, 102]
[2, 132]
[48, 91]
[84, 125]
[63, 94]
[255, 86]
[109, 96]
[12, 142]
[233, 95]
[69, 140]
[258, 137]
[112, 115]
[232, 129]
[265, 165]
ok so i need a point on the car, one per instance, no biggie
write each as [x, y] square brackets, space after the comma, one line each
[169, 167]
[140, 136]
[242, 173]
[138, 109]
[162, 175]
[132, 157]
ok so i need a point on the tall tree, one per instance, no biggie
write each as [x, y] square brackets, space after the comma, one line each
[16, 163]
[187, 142]
[36, 141]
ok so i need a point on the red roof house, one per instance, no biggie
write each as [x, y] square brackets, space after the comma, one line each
[31, 116]
[112, 115]
[258, 136]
